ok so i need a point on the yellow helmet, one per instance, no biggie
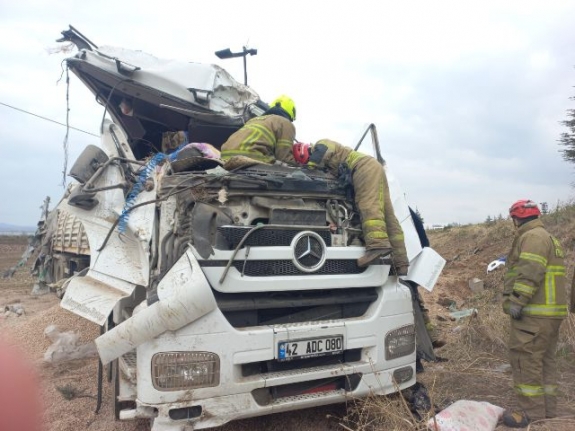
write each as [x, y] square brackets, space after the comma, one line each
[286, 103]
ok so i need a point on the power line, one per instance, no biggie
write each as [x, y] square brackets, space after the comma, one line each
[48, 119]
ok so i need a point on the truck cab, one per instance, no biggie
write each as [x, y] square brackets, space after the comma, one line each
[224, 294]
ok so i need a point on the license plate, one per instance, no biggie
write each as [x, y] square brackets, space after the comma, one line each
[300, 349]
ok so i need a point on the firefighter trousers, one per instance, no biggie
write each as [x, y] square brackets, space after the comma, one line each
[532, 347]
[379, 223]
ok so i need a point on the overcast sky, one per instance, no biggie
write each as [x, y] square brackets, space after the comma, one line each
[467, 96]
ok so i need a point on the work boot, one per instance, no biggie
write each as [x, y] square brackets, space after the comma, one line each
[371, 256]
[516, 419]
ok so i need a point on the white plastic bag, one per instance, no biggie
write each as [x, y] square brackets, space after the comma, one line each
[496, 264]
[466, 415]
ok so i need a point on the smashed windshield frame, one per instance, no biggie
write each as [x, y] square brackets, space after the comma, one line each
[364, 141]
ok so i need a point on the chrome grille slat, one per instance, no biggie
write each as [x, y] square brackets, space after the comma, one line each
[269, 268]
[265, 237]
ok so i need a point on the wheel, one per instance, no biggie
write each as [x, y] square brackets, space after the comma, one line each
[58, 272]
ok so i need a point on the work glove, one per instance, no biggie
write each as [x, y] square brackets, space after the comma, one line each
[515, 310]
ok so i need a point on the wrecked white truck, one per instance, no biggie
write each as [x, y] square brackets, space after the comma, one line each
[210, 308]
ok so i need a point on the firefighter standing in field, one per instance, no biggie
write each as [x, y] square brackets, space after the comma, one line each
[264, 139]
[535, 298]
[382, 232]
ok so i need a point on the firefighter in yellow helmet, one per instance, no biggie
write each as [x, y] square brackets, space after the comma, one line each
[535, 298]
[265, 139]
[382, 232]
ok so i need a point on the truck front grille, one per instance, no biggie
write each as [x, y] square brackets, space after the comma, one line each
[304, 390]
[271, 308]
[270, 268]
[265, 237]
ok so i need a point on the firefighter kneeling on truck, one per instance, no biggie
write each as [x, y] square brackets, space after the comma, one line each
[382, 232]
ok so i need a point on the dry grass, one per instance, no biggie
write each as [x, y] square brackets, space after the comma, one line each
[478, 367]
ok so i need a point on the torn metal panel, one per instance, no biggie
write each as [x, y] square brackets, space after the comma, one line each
[190, 85]
[426, 268]
[185, 296]
[95, 295]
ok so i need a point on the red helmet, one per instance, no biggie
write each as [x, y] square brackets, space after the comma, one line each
[301, 152]
[524, 208]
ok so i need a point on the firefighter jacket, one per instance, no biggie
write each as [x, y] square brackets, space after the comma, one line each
[266, 138]
[535, 276]
[379, 224]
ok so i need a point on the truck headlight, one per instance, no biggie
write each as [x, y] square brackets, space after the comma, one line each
[400, 342]
[172, 371]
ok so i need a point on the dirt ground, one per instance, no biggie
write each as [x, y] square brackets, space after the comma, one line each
[476, 368]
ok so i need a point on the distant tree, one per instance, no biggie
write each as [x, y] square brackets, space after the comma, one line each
[488, 220]
[568, 138]
[500, 217]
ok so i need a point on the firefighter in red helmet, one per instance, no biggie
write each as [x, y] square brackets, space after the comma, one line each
[382, 232]
[534, 296]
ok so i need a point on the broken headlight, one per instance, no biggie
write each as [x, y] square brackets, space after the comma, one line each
[400, 342]
[173, 371]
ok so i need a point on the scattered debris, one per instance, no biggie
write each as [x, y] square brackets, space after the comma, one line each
[446, 302]
[14, 310]
[66, 346]
[460, 314]
[69, 392]
[417, 398]
[496, 264]
[476, 285]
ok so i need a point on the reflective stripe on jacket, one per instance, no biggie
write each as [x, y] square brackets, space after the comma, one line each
[535, 277]
[267, 138]
[378, 221]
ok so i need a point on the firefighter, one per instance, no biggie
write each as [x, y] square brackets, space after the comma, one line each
[264, 139]
[534, 296]
[382, 232]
